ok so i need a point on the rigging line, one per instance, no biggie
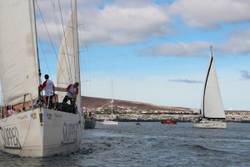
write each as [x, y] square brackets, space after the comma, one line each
[85, 64]
[53, 4]
[46, 60]
[59, 65]
[73, 31]
[47, 31]
[49, 36]
[64, 35]
[56, 16]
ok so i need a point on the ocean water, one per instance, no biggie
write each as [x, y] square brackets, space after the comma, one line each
[152, 145]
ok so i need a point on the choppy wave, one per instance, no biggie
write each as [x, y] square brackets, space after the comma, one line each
[201, 148]
[149, 145]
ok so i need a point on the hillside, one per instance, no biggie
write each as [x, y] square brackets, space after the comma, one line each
[96, 103]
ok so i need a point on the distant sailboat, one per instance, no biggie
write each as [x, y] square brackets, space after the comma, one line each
[36, 131]
[212, 111]
[107, 121]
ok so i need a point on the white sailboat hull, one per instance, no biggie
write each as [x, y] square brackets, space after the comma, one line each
[210, 124]
[40, 133]
[106, 122]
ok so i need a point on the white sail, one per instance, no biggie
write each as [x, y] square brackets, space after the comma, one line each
[68, 68]
[18, 51]
[212, 101]
[35, 131]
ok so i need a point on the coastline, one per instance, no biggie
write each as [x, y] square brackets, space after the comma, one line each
[133, 117]
[130, 111]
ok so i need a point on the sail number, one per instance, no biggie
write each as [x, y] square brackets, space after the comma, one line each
[69, 133]
[10, 136]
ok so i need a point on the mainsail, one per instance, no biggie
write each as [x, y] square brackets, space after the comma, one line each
[18, 51]
[212, 101]
[68, 68]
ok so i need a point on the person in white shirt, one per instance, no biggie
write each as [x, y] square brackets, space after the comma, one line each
[49, 90]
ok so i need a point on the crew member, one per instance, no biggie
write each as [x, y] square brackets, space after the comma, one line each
[72, 92]
[49, 91]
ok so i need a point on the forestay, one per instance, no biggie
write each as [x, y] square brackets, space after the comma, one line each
[18, 51]
[212, 101]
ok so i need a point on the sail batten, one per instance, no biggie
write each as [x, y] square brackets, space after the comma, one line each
[18, 51]
[212, 101]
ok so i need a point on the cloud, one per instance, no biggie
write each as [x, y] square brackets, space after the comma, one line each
[245, 75]
[238, 43]
[119, 25]
[211, 13]
[114, 23]
[126, 22]
[188, 81]
[197, 48]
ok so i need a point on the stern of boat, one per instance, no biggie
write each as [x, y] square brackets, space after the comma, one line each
[40, 132]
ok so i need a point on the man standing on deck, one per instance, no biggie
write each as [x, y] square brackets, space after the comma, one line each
[49, 90]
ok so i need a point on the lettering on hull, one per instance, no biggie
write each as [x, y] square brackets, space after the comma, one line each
[70, 133]
[10, 136]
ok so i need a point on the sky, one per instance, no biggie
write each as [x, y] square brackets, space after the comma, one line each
[154, 51]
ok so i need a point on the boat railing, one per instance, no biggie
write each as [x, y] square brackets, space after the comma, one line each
[30, 100]
[1, 111]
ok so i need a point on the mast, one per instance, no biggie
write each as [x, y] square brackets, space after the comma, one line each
[112, 96]
[33, 12]
[37, 49]
[205, 86]
[76, 50]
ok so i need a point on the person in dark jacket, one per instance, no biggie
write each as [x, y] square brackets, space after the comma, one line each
[72, 92]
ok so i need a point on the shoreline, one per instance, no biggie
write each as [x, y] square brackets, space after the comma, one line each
[129, 111]
[135, 117]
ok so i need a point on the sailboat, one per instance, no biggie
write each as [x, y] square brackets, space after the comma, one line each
[212, 111]
[35, 131]
[108, 121]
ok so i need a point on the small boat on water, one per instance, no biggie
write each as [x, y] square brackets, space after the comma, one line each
[90, 123]
[90, 120]
[169, 121]
[109, 122]
[138, 123]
